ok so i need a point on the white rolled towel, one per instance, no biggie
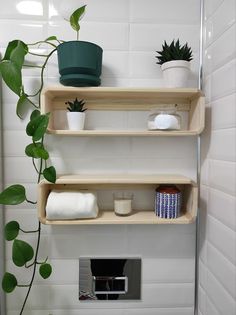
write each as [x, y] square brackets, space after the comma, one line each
[68, 205]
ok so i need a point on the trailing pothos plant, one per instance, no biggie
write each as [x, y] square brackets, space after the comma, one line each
[11, 66]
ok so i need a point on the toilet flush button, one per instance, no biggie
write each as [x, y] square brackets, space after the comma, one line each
[110, 285]
[109, 278]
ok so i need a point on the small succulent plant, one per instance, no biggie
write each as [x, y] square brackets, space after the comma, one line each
[76, 106]
[174, 51]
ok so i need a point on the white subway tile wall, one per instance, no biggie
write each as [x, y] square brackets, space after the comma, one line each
[130, 32]
[217, 268]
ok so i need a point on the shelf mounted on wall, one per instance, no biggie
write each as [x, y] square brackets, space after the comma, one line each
[189, 101]
[124, 181]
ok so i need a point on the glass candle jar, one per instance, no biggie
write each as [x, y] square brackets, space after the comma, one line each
[123, 204]
[164, 119]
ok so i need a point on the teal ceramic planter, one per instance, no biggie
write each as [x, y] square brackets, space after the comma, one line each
[80, 63]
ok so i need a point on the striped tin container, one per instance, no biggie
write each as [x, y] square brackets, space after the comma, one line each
[168, 202]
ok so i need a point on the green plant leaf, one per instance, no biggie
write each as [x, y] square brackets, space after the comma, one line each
[22, 252]
[76, 16]
[37, 151]
[45, 271]
[35, 113]
[51, 38]
[16, 51]
[37, 127]
[9, 282]
[11, 230]
[13, 195]
[11, 74]
[50, 174]
[21, 107]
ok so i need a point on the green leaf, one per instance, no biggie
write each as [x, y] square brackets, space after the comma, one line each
[45, 271]
[76, 16]
[36, 150]
[50, 174]
[16, 51]
[13, 195]
[9, 282]
[51, 38]
[37, 127]
[11, 230]
[35, 113]
[21, 107]
[22, 252]
[11, 74]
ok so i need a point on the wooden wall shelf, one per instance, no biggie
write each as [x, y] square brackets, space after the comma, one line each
[127, 99]
[124, 181]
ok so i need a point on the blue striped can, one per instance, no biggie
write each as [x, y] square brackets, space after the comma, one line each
[168, 202]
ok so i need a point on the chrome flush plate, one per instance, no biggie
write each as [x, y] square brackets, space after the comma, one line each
[109, 279]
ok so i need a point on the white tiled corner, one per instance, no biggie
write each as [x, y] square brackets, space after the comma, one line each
[219, 69]
[221, 51]
[220, 21]
[211, 308]
[222, 301]
[220, 176]
[210, 7]
[228, 120]
[223, 270]
[221, 88]
[222, 207]
[202, 300]
[222, 145]
[225, 244]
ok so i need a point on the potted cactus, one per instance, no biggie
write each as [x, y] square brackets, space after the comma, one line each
[76, 114]
[175, 63]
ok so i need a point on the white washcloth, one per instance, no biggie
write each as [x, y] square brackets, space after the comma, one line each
[68, 205]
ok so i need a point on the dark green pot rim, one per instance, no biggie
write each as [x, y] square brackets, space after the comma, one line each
[78, 41]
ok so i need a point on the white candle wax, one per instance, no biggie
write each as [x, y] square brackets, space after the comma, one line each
[122, 206]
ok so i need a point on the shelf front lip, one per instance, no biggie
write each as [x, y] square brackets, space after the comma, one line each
[109, 89]
[184, 219]
[121, 179]
[143, 133]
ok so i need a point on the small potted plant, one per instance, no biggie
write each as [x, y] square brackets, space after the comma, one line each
[79, 62]
[175, 63]
[76, 114]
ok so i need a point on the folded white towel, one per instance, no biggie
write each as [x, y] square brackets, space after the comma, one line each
[68, 205]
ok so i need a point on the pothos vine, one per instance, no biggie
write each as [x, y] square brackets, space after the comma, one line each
[11, 66]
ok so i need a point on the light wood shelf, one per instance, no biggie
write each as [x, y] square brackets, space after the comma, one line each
[127, 99]
[124, 181]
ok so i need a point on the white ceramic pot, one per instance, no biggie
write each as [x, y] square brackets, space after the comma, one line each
[76, 120]
[176, 73]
